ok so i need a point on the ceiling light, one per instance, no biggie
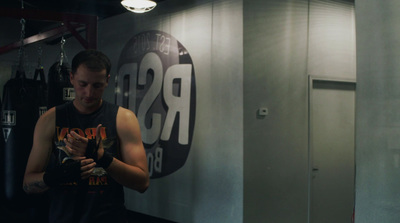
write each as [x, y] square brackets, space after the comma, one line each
[139, 6]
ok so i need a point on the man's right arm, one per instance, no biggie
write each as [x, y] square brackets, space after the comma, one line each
[40, 153]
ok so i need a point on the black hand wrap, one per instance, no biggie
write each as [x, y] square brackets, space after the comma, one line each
[67, 172]
[105, 161]
[91, 149]
[91, 152]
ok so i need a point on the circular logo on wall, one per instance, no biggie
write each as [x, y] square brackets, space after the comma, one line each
[156, 80]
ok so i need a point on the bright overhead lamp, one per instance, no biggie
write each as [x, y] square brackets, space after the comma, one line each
[139, 6]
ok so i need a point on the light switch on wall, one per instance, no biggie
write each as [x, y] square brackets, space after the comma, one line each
[262, 111]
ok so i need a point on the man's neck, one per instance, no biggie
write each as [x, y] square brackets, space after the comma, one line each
[87, 110]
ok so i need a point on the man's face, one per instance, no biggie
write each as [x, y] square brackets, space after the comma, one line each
[89, 88]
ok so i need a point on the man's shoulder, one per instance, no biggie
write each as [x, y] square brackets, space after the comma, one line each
[47, 119]
[125, 114]
[49, 113]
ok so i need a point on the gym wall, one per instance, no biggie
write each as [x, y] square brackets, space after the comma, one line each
[208, 187]
[284, 43]
[246, 54]
[377, 139]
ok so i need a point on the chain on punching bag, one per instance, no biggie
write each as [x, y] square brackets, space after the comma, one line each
[60, 89]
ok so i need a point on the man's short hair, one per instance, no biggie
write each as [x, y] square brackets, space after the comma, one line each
[93, 59]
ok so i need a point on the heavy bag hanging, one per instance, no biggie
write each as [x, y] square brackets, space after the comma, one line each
[1, 160]
[21, 109]
[39, 73]
[60, 89]
[42, 90]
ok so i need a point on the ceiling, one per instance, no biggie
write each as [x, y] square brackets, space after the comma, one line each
[100, 8]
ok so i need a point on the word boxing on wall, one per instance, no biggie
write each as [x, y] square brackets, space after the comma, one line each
[156, 80]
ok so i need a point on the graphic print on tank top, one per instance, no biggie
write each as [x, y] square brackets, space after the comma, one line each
[68, 120]
[99, 197]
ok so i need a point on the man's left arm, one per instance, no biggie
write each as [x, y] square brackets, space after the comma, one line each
[132, 170]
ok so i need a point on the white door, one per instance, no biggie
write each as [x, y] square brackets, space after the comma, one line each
[331, 149]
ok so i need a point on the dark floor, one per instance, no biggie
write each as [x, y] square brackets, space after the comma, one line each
[30, 215]
[142, 218]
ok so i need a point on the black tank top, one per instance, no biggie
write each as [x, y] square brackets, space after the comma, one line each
[99, 198]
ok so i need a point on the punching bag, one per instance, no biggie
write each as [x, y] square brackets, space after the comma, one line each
[23, 103]
[60, 89]
[42, 91]
[2, 160]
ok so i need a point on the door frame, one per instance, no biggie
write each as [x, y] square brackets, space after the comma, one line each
[311, 79]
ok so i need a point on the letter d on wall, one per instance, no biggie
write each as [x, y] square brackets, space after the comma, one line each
[156, 80]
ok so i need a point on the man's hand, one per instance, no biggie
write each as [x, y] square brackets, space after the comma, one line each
[99, 143]
[76, 144]
[87, 167]
[103, 159]
[72, 170]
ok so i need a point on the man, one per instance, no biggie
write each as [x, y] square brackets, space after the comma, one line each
[85, 151]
